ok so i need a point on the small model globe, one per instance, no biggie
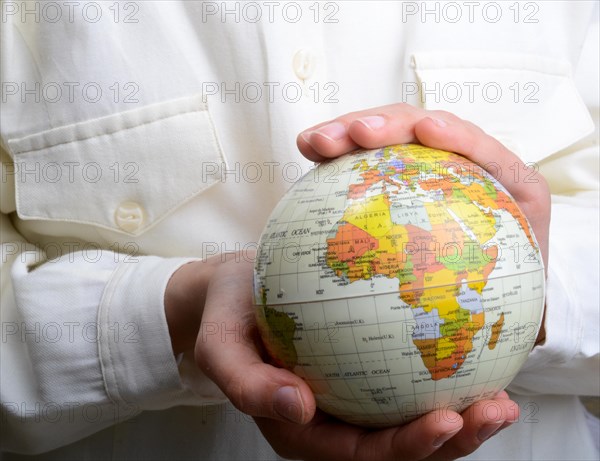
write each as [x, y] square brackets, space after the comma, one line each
[397, 281]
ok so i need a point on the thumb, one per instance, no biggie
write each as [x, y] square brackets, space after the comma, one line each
[227, 351]
[259, 389]
[531, 192]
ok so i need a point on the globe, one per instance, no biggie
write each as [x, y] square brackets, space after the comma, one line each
[397, 281]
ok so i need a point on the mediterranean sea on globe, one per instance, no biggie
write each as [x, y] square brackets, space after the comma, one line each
[397, 281]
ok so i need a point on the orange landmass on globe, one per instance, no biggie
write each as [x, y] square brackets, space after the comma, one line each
[431, 263]
[496, 330]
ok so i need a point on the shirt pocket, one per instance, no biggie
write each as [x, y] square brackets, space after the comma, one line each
[124, 172]
[529, 103]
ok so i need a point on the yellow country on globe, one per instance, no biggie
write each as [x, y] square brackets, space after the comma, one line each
[397, 281]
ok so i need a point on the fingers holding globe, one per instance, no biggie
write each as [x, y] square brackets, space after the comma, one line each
[529, 188]
[399, 281]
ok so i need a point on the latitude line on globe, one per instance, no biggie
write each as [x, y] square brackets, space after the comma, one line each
[390, 349]
[520, 274]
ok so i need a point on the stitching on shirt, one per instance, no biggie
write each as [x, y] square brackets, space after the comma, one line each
[514, 69]
[105, 301]
[103, 225]
[109, 133]
[170, 208]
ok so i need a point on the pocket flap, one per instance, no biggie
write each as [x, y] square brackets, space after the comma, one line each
[124, 172]
[529, 103]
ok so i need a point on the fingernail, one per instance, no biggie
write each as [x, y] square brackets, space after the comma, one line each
[288, 404]
[306, 136]
[372, 122]
[441, 439]
[333, 131]
[514, 411]
[488, 430]
[438, 122]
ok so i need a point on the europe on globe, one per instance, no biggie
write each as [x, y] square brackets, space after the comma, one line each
[397, 281]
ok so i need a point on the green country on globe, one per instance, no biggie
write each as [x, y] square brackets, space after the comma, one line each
[397, 281]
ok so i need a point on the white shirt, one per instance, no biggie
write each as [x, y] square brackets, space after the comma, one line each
[166, 131]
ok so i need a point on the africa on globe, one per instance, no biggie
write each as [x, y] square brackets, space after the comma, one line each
[397, 281]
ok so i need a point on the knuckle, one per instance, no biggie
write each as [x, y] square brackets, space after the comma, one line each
[543, 186]
[403, 107]
[398, 109]
[236, 389]
[348, 118]
[445, 115]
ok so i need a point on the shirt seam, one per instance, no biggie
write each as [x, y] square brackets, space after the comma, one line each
[109, 133]
[104, 311]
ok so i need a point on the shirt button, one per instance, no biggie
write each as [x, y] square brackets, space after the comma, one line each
[304, 63]
[129, 216]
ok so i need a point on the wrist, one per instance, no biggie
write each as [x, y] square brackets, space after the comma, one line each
[185, 296]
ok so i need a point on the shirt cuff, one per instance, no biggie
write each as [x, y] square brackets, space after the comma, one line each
[137, 359]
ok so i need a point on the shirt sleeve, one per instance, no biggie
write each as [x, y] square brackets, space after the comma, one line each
[84, 341]
[568, 361]
[85, 344]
